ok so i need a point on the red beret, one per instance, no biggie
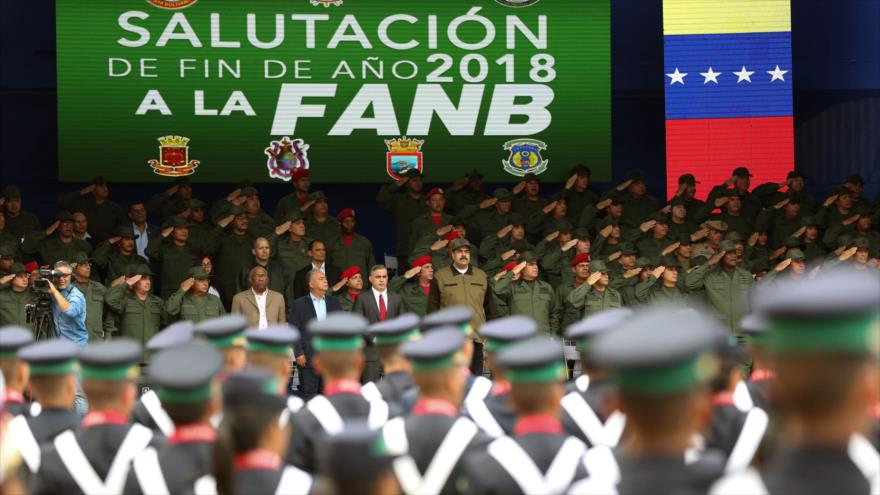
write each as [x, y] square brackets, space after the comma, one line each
[510, 265]
[421, 260]
[580, 258]
[453, 235]
[434, 191]
[31, 266]
[351, 271]
[300, 173]
[348, 212]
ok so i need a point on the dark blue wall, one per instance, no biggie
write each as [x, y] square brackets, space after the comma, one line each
[836, 50]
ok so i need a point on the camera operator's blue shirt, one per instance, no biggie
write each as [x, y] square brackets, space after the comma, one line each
[71, 324]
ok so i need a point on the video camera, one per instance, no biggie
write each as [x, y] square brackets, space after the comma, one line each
[39, 313]
[44, 275]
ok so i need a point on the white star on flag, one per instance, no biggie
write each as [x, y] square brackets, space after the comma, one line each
[677, 76]
[777, 74]
[710, 76]
[744, 75]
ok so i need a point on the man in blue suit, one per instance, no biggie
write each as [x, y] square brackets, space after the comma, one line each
[315, 305]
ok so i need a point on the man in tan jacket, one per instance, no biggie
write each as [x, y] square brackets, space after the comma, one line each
[262, 307]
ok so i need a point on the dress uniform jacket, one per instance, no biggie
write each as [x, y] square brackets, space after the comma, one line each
[590, 301]
[583, 412]
[667, 474]
[394, 386]
[534, 299]
[42, 428]
[50, 250]
[12, 305]
[112, 262]
[405, 210]
[138, 319]
[99, 325]
[356, 252]
[289, 481]
[725, 292]
[188, 306]
[492, 412]
[177, 465]
[414, 298]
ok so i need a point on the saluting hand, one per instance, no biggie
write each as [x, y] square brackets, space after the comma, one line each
[187, 284]
[518, 187]
[570, 244]
[569, 183]
[412, 272]
[225, 221]
[53, 227]
[658, 271]
[167, 231]
[782, 265]
[486, 203]
[132, 280]
[753, 239]
[605, 203]
[606, 230]
[830, 200]
[506, 255]
[444, 230]
[593, 278]
[504, 231]
[552, 235]
[339, 285]
[439, 244]
[284, 227]
[646, 226]
[670, 248]
[625, 184]
[86, 190]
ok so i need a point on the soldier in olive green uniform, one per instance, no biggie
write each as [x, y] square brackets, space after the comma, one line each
[578, 195]
[59, 248]
[115, 254]
[294, 201]
[103, 215]
[464, 192]
[18, 221]
[415, 285]
[663, 285]
[9, 243]
[813, 247]
[405, 207]
[15, 294]
[653, 241]
[626, 281]
[489, 216]
[580, 269]
[319, 224]
[733, 212]
[433, 219]
[191, 301]
[292, 247]
[232, 252]
[101, 326]
[529, 296]
[350, 248]
[726, 285]
[175, 252]
[531, 202]
[350, 287]
[260, 224]
[637, 205]
[175, 198]
[781, 220]
[140, 313]
[595, 295]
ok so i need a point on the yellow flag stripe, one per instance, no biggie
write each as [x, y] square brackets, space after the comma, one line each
[726, 16]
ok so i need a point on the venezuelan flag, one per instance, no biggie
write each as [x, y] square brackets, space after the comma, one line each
[728, 78]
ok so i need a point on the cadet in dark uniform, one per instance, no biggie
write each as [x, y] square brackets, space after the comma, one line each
[756, 328]
[492, 412]
[662, 392]
[389, 336]
[461, 317]
[15, 371]
[249, 452]
[824, 339]
[271, 349]
[226, 333]
[192, 301]
[184, 378]
[95, 458]
[433, 440]
[114, 254]
[356, 461]
[52, 365]
[522, 463]
[338, 340]
[587, 406]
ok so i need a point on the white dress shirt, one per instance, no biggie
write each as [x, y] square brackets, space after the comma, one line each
[261, 305]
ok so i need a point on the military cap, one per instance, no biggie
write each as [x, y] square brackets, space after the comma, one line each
[248, 191]
[502, 194]
[318, 196]
[644, 262]
[528, 257]
[253, 387]
[199, 273]
[113, 360]
[338, 332]
[683, 238]
[5, 252]
[535, 360]
[609, 220]
[597, 323]
[125, 231]
[580, 258]
[598, 266]
[564, 225]
[173, 335]
[558, 195]
[11, 192]
[357, 452]
[413, 173]
[99, 180]
[182, 181]
[757, 267]
[733, 236]
[137, 269]
[237, 210]
[178, 221]
[453, 236]
[581, 170]
[688, 179]
[670, 262]
[835, 312]
[434, 191]
[793, 197]
[50, 357]
[277, 339]
[741, 172]
[300, 173]
[185, 374]
[659, 217]
[510, 265]
[844, 240]
[730, 193]
[663, 362]
[794, 174]
[13, 338]
[223, 332]
[855, 179]
[840, 189]
[63, 216]
[515, 219]
[698, 260]
[345, 213]
[461, 242]
[293, 216]
[502, 332]
[473, 173]
[718, 225]
[861, 243]
[436, 350]
[396, 330]
[581, 233]
[727, 245]
[795, 255]
[17, 269]
[531, 177]
[636, 175]
[80, 258]
[351, 271]
[791, 242]
[196, 203]
[456, 316]
[626, 248]
[678, 200]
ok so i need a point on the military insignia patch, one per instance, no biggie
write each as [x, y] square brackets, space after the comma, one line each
[173, 157]
[525, 157]
[403, 155]
[172, 4]
[285, 156]
[326, 3]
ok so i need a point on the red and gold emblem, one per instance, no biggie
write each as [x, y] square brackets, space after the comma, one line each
[173, 157]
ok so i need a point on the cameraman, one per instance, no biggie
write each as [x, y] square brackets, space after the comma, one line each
[69, 310]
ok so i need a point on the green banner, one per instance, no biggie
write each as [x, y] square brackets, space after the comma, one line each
[353, 90]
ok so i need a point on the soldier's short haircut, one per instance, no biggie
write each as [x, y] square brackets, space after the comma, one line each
[377, 267]
[315, 241]
[261, 239]
[258, 267]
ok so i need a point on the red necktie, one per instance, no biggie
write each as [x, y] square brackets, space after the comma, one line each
[383, 311]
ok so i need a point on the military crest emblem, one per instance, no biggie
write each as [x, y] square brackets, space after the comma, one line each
[525, 157]
[326, 3]
[285, 156]
[173, 157]
[403, 154]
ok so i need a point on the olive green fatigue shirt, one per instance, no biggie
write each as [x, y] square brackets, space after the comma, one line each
[22, 224]
[345, 299]
[173, 261]
[651, 247]
[601, 248]
[534, 299]
[404, 209]
[326, 231]
[424, 225]
[527, 207]
[294, 254]
[576, 202]
[777, 225]
[112, 263]
[10, 242]
[233, 253]
[569, 314]
[359, 253]
[103, 218]
[439, 258]
[590, 301]
[100, 326]
[556, 263]
[650, 291]
[12, 305]
[482, 222]
[681, 229]
[726, 292]
[188, 306]
[261, 225]
[458, 200]
[139, 320]
[814, 251]
[161, 205]
[636, 210]
[52, 249]
[414, 298]
[287, 205]
[625, 286]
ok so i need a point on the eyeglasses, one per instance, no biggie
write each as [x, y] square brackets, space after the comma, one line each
[64, 275]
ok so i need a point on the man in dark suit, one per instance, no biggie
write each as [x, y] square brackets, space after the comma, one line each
[315, 305]
[376, 304]
[318, 256]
